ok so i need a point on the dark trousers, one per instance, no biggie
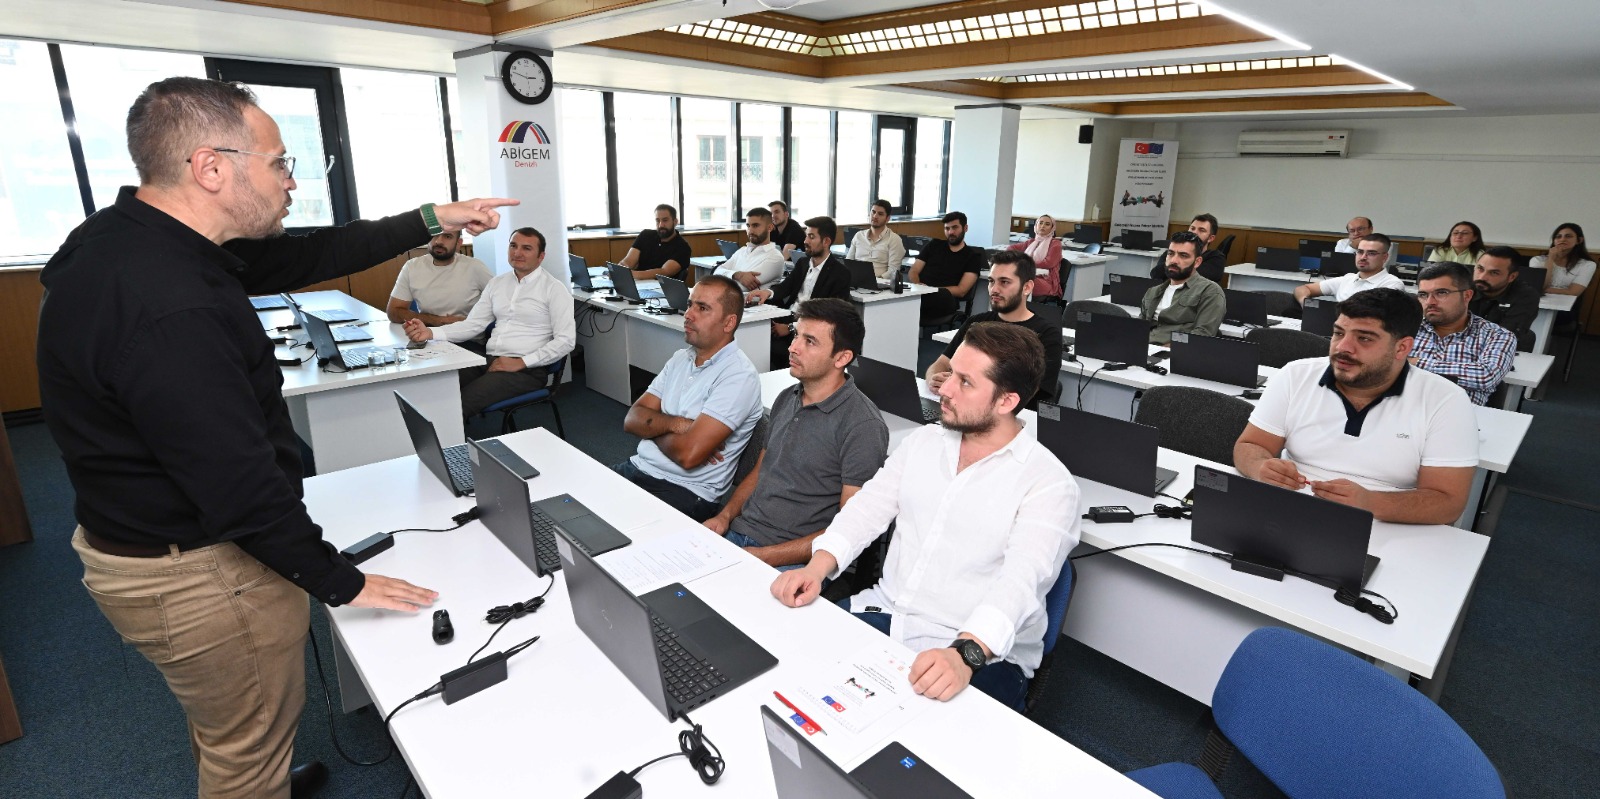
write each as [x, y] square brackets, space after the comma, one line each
[481, 388]
[940, 304]
[1001, 680]
[680, 498]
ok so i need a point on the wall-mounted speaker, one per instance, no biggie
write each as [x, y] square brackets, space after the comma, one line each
[1086, 134]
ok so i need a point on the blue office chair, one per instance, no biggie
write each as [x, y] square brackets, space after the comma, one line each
[1320, 722]
[1055, 608]
[543, 396]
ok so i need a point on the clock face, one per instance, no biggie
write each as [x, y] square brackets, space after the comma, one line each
[527, 77]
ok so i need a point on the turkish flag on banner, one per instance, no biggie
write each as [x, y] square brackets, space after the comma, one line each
[1141, 148]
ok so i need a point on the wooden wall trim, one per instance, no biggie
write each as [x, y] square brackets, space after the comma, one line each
[1298, 77]
[1304, 102]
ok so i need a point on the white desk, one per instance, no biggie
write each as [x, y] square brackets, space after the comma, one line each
[566, 719]
[892, 322]
[1137, 263]
[350, 418]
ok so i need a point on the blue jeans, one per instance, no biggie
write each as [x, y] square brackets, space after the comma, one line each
[1001, 680]
[743, 541]
[684, 500]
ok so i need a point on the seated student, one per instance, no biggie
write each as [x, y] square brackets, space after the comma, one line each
[699, 412]
[1044, 249]
[444, 284]
[877, 243]
[1462, 246]
[758, 264]
[1363, 427]
[660, 252]
[1452, 341]
[787, 234]
[827, 439]
[824, 275]
[984, 518]
[1011, 282]
[1187, 302]
[1357, 229]
[533, 328]
[1212, 262]
[1498, 295]
[949, 265]
[1570, 266]
[1369, 274]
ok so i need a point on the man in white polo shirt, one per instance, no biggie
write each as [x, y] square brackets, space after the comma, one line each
[1371, 255]
[1365, 428]
[444, 284]
[758, 264]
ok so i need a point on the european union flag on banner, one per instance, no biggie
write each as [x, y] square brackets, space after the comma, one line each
[1157, 147]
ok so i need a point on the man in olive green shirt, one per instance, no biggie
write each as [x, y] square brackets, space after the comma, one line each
[1187, 302]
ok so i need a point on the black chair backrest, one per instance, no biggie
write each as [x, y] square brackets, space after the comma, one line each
[1225, 246]
[1279, 346]
[1195, 421]
[1282, 303]
[751, 453]
[1069, 315]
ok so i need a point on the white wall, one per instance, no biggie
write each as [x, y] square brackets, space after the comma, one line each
[1516, 177]
[1052, 169]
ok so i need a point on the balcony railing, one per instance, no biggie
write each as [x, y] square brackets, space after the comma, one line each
[712, 170]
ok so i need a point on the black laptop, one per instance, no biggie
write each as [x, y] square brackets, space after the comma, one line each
[1087, 234]
[1136, 239]
[1247, 309]
[1130, 289]
[1224, 360]
[893, 389]
[671, 645]
[327, 347]
[728, 248]
[1104, 449]
[528, 528]
[863, 275]
[801, 771]
[1262, 524]
[1113, 339]
[1277, 259]
[1312, 248]
[675, 293]
[622, 282]
[451, 465]
[344, 334]
[1317, 315]
[1335, 264]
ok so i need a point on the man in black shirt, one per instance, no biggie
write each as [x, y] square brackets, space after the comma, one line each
[660, 252]
[161, 390]
[949, 265]
[1212, 262]
[1010, 284]
[786, 233]
[1503, 299]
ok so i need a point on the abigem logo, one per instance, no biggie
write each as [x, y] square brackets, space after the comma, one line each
[525, 133]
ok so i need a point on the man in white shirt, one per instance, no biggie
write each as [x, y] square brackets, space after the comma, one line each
[759, 264]
[984, 518]
[533, 328]
[444, 284]
[877, 244]
[1357, 229]
[1371, 256]
[1365, 428]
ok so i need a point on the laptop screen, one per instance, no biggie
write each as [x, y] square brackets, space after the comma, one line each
[425, 440]
[1247, 307]
[1223, 360]
[1101, 448]
[1317, 538]
[614, 619]
[321, 336]
[1113, 339]
[1317, 315]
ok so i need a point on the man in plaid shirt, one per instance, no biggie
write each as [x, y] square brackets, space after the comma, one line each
[1474, 353]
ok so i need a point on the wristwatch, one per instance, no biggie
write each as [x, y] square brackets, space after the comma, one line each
[971, 653]
[431, 219]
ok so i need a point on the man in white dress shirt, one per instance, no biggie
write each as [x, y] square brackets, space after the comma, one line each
[877, 244]
[984, 518]
[1371, 256]
[533, 328]
[759, 263]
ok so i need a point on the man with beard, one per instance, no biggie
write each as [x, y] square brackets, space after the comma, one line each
[1212, 262]
[1365, 428]
[877, 244]
[444, 284]
[1011, 276]
[1188, 302]
[660, 252]
[1500, 297]
[1370, 258]
[787, 234]
[984, 518]
[758, 264]
[1455, 343]
[162, 392]
[949, 265]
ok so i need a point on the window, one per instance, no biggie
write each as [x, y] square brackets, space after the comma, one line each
[928, 196]
[713, 158]
[104, 82]
[39, 198]
[855, 166]
[453, 94]
[810, 139]
[581, 136]
[761, 156]
[646, 175]
[396, 140]
[296, 111]
[707, 181]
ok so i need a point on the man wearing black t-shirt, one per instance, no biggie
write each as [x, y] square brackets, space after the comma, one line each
[950, 266]
[1010, 284]
[660, 252]
[787, 234]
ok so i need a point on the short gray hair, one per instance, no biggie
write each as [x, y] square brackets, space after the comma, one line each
[174, 117]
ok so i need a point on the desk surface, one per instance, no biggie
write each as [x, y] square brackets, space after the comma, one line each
[566, 719]
[1547, 302]
[752, 314]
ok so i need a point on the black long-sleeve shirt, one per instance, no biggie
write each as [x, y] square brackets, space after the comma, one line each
[161, 388]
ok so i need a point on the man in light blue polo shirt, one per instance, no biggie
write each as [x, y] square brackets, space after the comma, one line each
[700, 411]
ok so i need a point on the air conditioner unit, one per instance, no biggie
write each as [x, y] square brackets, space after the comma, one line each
[1303, 143]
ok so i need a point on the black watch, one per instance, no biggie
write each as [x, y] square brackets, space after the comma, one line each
[971, 653]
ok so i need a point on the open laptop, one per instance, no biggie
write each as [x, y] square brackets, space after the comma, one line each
[327, 347]
[1224, 360]
[1247, 309]
[671, 645]
[1317, 315]
[728, 248]
[1087, 234]
[342, 334]
[1262, 524]
[1335, 264]
[452, 465]
[863, 275]
[893, 389]
[1104, 449]
[1277, 259]
[271, 302]
[675, 293]
[1130, 289]
[528, 528]
[1113, 339]
[1136, 239]
[622, 281]
[801, 771]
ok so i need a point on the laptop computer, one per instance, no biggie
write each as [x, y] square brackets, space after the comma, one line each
[452, 465]
[1246, 308]
[1277, 259]
[1104, 449]
[863, 275]
[1087, 234]
[1266, 525]
[801, 771]
[271, 302]
[1136, 239]
[1317, 315]
[1113, 339]
[728, 248]
[1335, 264]
[675, 293]
[342, 334]
[1312, 248]
[1130, 289]
[893, 389]
[1532, 276]
[528, 528]
[671, 645]
[1223, 360]
[622, 282]
[327, 347]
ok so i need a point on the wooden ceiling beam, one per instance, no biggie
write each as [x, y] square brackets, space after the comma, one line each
[1291, 78]
[1304, 102]
[450, 15]
[696, 48]
[510, 16]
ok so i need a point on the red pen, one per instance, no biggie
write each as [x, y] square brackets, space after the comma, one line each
[799, 712]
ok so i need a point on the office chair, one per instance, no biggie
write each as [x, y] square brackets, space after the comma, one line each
[1319, 722]
[1069, 315]
[1055, 608]
[749, 456]
[1174, 409]
[1279, 346]
[1225, 246]
[544, 396]
[1092, 249]
[1282, 303]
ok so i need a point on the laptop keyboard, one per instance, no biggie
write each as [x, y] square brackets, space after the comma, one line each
[268, 303]
[346, 333]
[544, 539]
[686, 676]
[459, 463]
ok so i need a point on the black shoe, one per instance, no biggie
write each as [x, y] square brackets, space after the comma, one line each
[305, 780]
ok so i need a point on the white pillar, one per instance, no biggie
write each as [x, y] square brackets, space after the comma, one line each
[983, 169]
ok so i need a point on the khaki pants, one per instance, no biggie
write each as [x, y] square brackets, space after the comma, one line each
[229, 635]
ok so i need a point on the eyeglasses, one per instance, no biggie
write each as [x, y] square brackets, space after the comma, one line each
[1438, 294]
[1356, 229]
[1372, 253]
[285, 162]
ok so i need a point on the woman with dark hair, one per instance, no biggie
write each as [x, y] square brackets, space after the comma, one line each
[1462, 246]
[1570, 266]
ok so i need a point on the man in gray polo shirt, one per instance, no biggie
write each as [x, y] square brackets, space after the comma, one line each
[826, 440]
